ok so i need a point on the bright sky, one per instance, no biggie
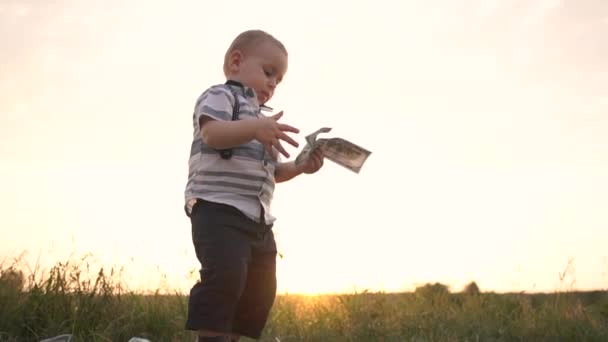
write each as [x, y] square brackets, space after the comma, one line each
[488, 122]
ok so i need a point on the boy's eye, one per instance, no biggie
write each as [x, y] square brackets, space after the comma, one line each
[268, 73]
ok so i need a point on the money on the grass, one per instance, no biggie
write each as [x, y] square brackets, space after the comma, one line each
[338, 150]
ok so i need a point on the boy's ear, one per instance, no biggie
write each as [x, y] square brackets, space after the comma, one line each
[234, 60]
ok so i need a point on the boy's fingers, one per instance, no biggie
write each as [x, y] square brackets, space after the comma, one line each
[287, 128]
[288, 139]
[317, 160]
[277, 116]
[275, 153]
[281, 149]
[271, 150]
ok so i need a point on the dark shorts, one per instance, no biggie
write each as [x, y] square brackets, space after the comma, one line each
[238, 271]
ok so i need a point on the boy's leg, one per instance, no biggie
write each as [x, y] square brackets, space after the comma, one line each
[260, 291]
[224, 253]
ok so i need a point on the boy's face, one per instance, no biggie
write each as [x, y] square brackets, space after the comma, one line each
[262, 69]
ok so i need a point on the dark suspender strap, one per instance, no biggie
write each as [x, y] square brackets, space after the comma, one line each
[227, 153]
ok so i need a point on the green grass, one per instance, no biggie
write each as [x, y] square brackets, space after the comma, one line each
[94, 306]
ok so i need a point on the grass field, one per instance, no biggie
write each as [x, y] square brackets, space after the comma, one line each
[93, 305]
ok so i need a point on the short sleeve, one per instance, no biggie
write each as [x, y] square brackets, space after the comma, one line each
[215, 103]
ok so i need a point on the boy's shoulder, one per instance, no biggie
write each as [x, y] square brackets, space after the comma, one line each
[213, 91]
[218, 87]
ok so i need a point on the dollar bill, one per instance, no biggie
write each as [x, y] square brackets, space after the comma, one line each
[338, 150]
[311, 138]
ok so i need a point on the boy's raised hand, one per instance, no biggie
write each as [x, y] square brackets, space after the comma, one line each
[270, 132]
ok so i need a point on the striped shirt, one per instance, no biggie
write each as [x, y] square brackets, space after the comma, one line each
[245, 181]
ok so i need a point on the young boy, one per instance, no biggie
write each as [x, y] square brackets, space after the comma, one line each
[234, 164]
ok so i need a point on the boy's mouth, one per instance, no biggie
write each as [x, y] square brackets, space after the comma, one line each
[264, 96]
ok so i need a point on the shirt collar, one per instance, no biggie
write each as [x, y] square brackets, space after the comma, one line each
[247, 92]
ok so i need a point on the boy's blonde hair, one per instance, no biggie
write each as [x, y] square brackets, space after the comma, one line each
[247, 40]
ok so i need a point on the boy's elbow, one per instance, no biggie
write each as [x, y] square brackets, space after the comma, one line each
[209, 139]
[207, 134]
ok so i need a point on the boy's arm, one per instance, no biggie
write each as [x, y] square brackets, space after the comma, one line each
[286, 171]
[289, 170]
[213, 114]
[227, 134]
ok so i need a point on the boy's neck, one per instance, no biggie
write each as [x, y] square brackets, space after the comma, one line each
[235, 83]
[247, 92]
